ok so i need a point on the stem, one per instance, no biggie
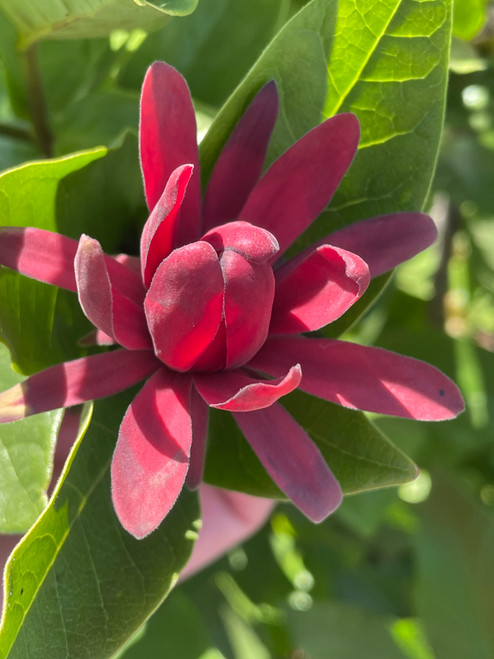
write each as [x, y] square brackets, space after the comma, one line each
[15, 132]
[37, 102]
[452, 224]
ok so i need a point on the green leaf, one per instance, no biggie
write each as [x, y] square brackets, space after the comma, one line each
[26, 449]
[35, 319]
[213, 47]
[455, 550]
[360, 456]
[79, 19]
[79, 585]
[468, 18]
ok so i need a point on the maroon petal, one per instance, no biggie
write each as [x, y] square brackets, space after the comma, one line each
[167, 141]
[253, 243]
[386, 241]
[240, 164]
[184, 304]
[292, 460]
[364, 378]
[236, 392]
[152, 454]
[75, 382]
[228, 518]
[158, 235]
[316, 290]
[300, 184]
[101, 300]
[199, 412]
[39, 254]
[249, 292]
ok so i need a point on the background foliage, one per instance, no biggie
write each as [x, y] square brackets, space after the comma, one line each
[403, 572]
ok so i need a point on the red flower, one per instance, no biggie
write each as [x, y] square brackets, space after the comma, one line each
[210, 311]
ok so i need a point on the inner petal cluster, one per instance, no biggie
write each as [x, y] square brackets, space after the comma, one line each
[209, 303]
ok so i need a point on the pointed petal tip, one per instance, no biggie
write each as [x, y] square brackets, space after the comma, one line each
[321, 509]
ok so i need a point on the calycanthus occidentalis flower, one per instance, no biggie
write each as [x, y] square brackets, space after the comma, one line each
[212, 316]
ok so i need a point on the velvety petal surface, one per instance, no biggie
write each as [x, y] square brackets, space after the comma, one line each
[152, 453]
[39, 254]
[292, 460]
[316, 290]
[103, 303]
[228, 518]
[364, 378]
[167, 135]
[240, 163]
[249, 293]
[184, 304]
[199, 412]
[76, 382]
[235, 391]
[386, 241]
[159, 234]
[253, 243]
[300, 184]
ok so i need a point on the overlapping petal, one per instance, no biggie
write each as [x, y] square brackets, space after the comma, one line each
[152, 453]
[76, 382]
[316, 290]
[235, 391]
[364, 378]
[240, 163]
[184, 304]
[168, 140]
[292, 460]
[253, 243]
[300, 184]
[107, 307]
[199, 411]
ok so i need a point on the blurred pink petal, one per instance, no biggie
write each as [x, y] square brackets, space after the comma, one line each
[240, 163]
[167, 141]
[292, 460]
[228, 518]
[365, 378]
[315, 291]
[152, 454]
[236, 392]
[76, 382]
[300, 184]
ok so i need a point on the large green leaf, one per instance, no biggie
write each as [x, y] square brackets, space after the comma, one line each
[361, 457]
[79, 585]
[79, 19]
[455, 549]
[26, 449]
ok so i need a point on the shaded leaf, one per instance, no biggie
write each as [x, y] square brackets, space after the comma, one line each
[360, 456]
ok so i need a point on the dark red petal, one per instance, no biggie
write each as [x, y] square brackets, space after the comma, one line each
[184, 304]
[159, 233]
[39, 254]
[316, 290]
[101, 300]
[228, 518]
[235, 391]
[240, 163]
[292, 460]
[386, 241]
[249, 292]
[152, 453]
[255, 244]
[199, 412]
[167, 141]
[75, 382]
[300, 184]
[364, 378]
